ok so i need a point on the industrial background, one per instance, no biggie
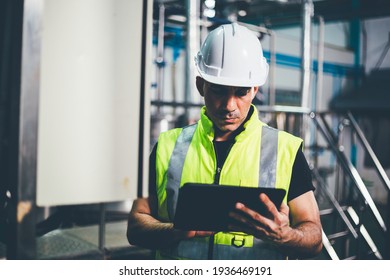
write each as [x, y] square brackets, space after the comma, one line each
[86, 86]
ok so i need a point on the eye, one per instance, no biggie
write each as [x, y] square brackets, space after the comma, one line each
[217, 90]
[242, 91]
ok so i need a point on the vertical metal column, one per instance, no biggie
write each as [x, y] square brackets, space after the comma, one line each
[160, 59]
[23, 246]
[272, 90]
[192, 38]
[320, 75]
[320, 60]
[307, 14]
[354, 41]
[144, 120]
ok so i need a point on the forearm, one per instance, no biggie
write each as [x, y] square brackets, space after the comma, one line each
[305, 241]
[302, 241]
[146, 231]
[143, 229]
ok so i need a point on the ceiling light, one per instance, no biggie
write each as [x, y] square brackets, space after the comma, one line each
[178, 18]
[242, 13]
[210, 13]
[210, 4]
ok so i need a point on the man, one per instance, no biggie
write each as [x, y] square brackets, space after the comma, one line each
[229, 145]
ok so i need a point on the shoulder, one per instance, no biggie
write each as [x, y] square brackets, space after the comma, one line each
[167, 140]
[289, 137]
[288, 140]
[169, 134]
[173, 134]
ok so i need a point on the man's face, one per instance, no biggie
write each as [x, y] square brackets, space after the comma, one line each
[226, 106]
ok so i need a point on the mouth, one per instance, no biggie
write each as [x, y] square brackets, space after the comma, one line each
[228, 120]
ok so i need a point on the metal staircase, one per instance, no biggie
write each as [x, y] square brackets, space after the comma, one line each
[353, 226]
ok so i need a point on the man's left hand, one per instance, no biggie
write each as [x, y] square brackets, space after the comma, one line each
[272, 227]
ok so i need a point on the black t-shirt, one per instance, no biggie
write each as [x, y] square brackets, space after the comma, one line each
[301, 180]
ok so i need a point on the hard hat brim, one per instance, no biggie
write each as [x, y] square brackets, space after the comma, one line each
[235, 82]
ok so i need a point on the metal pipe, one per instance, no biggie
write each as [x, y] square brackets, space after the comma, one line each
[307, 14]
[320, 61]
[160, 59]
[305, 86]
[192, 38]
[364, 232]
[328, 247]
[335, 203]
[176, 104]
[320, 74]
[272, 90]
[370, 151]
[282, 108]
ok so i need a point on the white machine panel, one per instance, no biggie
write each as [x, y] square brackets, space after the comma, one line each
[89, 109]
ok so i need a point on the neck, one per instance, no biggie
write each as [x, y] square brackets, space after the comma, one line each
[220, 135]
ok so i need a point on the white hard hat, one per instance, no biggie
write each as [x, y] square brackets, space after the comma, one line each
[232, 55]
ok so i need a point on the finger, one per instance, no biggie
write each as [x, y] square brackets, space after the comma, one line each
[265, 230]
[188, 234]
[200, 233]
[240, 217]
[240, 223]
[193, 233]
[278, 215]
[249, 217]
[251, 228]
[269, 205]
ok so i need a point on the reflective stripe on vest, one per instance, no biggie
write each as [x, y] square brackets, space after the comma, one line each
[229, 245]
[175, 167]
[268, 157]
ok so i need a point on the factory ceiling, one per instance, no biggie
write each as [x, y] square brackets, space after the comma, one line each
[278, 13]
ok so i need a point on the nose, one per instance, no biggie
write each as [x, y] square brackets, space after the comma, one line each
[230, 101]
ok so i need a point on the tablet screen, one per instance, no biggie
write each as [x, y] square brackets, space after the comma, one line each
[207, 206]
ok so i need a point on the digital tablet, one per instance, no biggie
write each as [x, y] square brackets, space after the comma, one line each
[206, 207]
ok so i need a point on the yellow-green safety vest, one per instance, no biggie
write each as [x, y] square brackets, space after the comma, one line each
[260, 157]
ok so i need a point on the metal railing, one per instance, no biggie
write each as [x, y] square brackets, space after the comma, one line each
[347, 214]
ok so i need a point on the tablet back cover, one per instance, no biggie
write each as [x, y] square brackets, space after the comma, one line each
[206, 207]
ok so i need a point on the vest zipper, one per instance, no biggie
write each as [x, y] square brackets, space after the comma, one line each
[217, 175]
[210, 254]
[218, 171]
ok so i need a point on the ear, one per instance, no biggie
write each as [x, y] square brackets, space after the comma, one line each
[199, 85]
[255, 90]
